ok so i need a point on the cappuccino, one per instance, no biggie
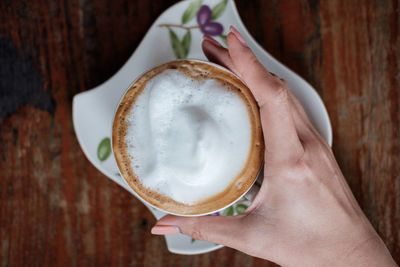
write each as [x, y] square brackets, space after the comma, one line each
[187, 137]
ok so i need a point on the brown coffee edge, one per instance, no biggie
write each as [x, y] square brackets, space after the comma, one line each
[238, 186]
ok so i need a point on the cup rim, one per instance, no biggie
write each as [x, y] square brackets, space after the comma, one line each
[124, 179]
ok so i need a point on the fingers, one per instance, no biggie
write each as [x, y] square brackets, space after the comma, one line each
[216, 53]
[216, 229]
[306, 131]
[281, 140]
[302, 123]
[250, 69]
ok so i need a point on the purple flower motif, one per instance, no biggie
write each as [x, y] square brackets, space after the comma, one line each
[203, 15]
[206, 25]
[212, 28]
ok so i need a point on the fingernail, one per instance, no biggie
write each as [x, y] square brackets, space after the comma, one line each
[164, 230]
[238, 35]
[212, 40]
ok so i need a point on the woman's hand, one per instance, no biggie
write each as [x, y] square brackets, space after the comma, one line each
[305, 213]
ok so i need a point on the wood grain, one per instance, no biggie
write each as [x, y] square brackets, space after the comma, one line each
[56, 209]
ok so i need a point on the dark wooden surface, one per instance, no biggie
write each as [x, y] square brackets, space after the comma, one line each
[56, 209]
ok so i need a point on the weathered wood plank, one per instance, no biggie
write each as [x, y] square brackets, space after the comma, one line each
[361, 86]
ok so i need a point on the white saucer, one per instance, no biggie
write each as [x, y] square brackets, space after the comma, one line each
[94, 109]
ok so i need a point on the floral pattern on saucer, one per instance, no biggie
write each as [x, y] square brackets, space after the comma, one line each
[206, 22]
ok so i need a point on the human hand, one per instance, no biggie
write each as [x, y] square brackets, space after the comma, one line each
[305, 213]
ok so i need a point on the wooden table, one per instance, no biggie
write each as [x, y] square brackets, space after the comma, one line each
[56, 209]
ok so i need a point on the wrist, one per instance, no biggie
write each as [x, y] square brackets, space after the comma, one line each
[371, 251]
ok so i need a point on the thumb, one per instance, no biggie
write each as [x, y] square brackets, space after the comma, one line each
[217, 229]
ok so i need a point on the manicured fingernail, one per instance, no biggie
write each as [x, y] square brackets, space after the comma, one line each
[212, 40]
[164, 230]
[238, 35]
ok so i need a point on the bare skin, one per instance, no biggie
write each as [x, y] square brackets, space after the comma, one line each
[305, 213]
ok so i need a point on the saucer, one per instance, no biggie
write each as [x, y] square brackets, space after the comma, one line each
[177, 33]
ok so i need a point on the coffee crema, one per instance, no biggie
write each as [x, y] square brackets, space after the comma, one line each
[187, 137]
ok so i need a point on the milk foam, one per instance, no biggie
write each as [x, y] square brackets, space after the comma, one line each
[187, 139]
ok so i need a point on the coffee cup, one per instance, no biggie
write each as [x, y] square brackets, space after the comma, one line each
[187, 137]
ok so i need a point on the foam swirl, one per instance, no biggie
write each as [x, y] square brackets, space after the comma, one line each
[187, 139]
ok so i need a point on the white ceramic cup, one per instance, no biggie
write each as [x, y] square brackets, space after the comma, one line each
[249, 194]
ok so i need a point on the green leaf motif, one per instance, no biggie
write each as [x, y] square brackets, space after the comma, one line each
[192, 241]
[191, 11]
[240, 208]
[104, 149]
[186, 42]
[223, 38]
[176, 44]
[218, 10]
[228, 211]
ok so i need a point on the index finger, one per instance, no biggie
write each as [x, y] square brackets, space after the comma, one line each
[281, 139]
